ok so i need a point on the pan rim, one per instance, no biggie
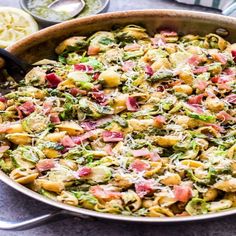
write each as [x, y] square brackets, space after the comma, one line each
[90, 213]
[38, 37]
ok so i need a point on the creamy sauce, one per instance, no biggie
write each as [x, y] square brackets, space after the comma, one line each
[40, 8]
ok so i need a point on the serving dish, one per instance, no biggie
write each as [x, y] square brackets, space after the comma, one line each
[46, 40]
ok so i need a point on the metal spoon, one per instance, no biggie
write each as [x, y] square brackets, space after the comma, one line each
[16, 68]
[69, 7]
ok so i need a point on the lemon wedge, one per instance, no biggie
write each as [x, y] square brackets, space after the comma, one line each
[15, 24]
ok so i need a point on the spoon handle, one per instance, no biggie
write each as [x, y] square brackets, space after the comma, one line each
[15, 67]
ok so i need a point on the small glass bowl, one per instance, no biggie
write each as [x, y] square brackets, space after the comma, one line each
[45, 22]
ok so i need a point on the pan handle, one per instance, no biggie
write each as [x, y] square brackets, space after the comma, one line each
[37, 221]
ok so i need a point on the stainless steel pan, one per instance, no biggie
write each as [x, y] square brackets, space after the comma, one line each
[41, 45]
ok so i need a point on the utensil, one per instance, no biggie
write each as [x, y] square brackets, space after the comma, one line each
[42, 44]
[46, 22]
[71, 8]
[15, 67]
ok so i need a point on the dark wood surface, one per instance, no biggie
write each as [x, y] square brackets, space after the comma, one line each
[15, 206]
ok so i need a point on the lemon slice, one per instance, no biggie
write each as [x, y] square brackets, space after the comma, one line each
[14, 25]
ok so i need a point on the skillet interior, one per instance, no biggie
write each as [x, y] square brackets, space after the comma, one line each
[41, 45]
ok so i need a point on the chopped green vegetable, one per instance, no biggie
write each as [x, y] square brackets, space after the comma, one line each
[106, 41]
[161, 75]
[197, 206]
[207, 118]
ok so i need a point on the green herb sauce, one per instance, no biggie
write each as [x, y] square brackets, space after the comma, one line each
[40, 8]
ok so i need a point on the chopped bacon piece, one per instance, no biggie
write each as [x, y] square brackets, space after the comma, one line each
[184, 213]
[96, 88]
[168, 33]
[195, 108]
[149, 70]
[80, 67]
[53, 80]
[101, 193]
[154, 156]
[4, 148]
[67, 141]
[3, 99]
[96, 75]
[220, 58]
[143, 188]
[20, 114]
[131, 104]
[45, 164]
[229, 71]
[99, 96]
[128, 65]
[161, 88]
[54, 118]
[108, 149]
[196, 99]
[158, 41]
[222, 79]
[132, 47]
[89, 125]
[79, 139]
[225, 78]
[218, 128]
[64, 150]
[47, 107]
[140, 152]
[25, 109]
[76, 91]
[182, 193]
[231, 98]
[215, 79]
[109, 136]
[92, 51]
[224, 116]
[201, 85]
[139, 165]
[224, 87]
[200, 69]
[159, 121]
[84, 171]
[195, 60]
[83, 67]
[233, 52]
